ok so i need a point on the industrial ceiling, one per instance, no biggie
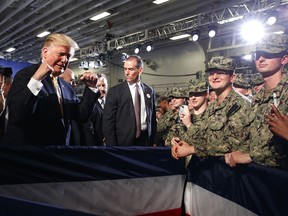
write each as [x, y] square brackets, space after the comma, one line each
[130, 22]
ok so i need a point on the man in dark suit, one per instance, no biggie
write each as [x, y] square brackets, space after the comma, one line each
[120, 118]
[93, 130]
[42, 109]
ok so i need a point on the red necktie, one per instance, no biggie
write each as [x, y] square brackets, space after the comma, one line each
[137, 111]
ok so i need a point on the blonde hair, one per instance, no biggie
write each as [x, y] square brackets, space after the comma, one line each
[58, 39]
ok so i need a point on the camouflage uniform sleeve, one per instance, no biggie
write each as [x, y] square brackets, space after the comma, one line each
[166, 121]
[177, 130]
[197, 135]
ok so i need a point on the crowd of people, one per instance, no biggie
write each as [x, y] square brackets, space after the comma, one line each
[221, 115]
[241, 126]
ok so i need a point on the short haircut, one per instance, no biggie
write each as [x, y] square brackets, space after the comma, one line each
[58, 39]
[138, 60]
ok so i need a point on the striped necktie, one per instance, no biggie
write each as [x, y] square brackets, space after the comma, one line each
[58, 92]
[137, 110]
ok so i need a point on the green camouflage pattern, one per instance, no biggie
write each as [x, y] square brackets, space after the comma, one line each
[178, 92]
[242, 81]
[225, 129]
[273, 43]
[180, 130]
[221, 63]
[266, 148]
[165, 123]
[197, 86]
[161, 96]
[256, 79]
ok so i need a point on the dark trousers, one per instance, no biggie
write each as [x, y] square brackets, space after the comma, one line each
[142, 140]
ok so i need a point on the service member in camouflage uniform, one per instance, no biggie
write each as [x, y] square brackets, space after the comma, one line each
[242, 86]
[265, 148]
[163, 101]
[226, 126]
[171, 117]
[198, 100]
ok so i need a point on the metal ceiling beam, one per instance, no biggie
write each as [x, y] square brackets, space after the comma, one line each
[242, 8]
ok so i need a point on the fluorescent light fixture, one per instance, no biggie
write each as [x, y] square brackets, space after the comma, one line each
[158, 2]
[180, 37]
[232, 19]
[43, 34]
[11, 49]
[100, 16]
[279, 32]
[73, 59]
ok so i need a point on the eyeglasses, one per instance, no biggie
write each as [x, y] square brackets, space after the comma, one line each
[257, 54]
[197, 94]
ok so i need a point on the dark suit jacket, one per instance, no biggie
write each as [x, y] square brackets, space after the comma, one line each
[119, 123]
[37, 120]
[93, 127]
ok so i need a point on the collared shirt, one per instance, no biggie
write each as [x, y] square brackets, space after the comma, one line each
[35, 86]
[143, 107]
[101, 101]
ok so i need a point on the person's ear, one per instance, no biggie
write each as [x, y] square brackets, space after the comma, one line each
[44, 52]
[233, 77]
[284, 60]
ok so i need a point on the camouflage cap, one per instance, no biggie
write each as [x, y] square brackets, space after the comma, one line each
[242, 81]
[168, 94]
[221, 63]
[162, 96]
[273, 43]
[197, 86]
[256, 79]
[178, 92]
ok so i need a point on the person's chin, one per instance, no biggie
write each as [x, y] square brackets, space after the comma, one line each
[56, 73]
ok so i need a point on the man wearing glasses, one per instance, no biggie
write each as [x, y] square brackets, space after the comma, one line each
[266, 148]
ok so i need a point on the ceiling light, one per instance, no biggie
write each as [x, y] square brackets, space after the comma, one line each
[11, 49]
[43, 34]
[180, 37]
[73, 59]
[272, 18]
[229, 20]
[137, 49]
[212, 31]
[252, 26]
[100, 16]
[196, 35]
[247, 57]
[149, 46]
[124, 56]
[158, 2]
[279, 32]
